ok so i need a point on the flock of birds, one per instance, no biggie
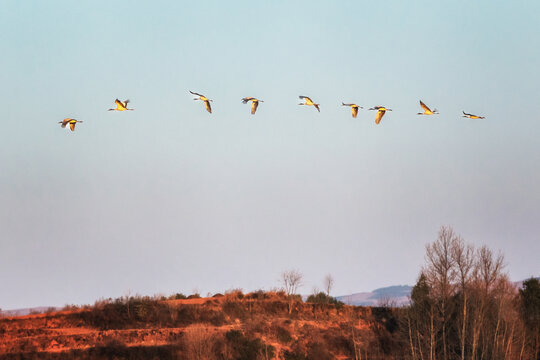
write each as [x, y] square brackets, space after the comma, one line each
[381, 110]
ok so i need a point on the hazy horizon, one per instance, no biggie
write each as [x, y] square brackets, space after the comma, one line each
[168, 198]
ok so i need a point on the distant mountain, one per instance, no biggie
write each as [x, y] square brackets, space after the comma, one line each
[396, 295]
[27, 311]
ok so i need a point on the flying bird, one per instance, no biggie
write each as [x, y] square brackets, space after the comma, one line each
[471, 116]
[120, 105]
[254, 103]
[203, 98]
[354, 108]
[71, 123]
[427, 110]
[308, 101]
[380, 113]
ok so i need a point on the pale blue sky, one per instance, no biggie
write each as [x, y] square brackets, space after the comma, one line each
[169, 198]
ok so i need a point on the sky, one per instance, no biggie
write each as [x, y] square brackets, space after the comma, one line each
[168, 198]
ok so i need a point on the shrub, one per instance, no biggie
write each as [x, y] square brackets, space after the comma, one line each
[386, 317]
[257, 295]
[293, 355]
[178, 296]
[234, 309]
[317, 351]
[247, 349]
[142, 311]
[322, 298]
[337, 342]
[199, 342]
[69, 307]
[234, 294]
[283, 335]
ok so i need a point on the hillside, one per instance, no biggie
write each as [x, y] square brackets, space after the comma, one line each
[234, 326]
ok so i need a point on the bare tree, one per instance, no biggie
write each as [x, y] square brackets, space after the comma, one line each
[199, 341]
[127, 300]
[463, 256]
[488, 270]
[463, 306]
[292, 280]
[328, 283]
[440, 275]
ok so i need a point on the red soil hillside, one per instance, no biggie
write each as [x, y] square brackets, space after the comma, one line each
[235, 326]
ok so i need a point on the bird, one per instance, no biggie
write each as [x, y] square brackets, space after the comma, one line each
[308, 101]
[254, 103]
[120, 105]
[471, 116]
[427, 110]
[380, 112]
[205, 99]
[354, 108]
[71, 123]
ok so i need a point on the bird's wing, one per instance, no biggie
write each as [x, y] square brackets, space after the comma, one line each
[354, 111]
[464, 113]
[343, 104]
[207, 106]
[254, 105]
[305, 98]
[65, 122]
[380, 114]
[424, 106]
[194, 93]
[317, 107]
[72, 126]
[246, 99]
[126, 102]
[119, 103]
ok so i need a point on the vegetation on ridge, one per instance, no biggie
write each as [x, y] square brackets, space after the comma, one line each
[462, 307]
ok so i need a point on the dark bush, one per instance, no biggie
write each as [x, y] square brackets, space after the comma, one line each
[386, 332]
[322, 298]
[339, 343]
[257, 295]
[234, 309]
[293, 355]
[317, 351]
[283, 335]
[145, 311]
[272, 307]
[178, 296]
[386, 317]
[245, 348]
